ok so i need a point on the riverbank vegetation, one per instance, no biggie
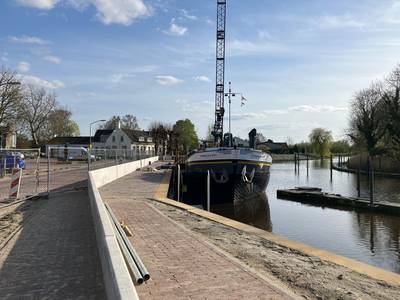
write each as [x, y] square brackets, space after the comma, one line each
[375, 117]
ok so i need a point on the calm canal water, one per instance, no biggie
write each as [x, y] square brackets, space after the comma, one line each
[368, 237]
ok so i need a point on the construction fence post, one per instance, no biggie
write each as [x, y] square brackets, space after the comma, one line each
[48, 171]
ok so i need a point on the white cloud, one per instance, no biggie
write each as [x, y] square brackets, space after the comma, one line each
[186, 15]
[334, 22]
[118, 77]
[202, 78]
[392, 15]
[53, 59]
[24, 66]
[168, 80]
[53, 84]
[175, 29]
[318, 108]
[40, 4]
[28, 40]
[120, 11]
[108, 11]
[264, 114]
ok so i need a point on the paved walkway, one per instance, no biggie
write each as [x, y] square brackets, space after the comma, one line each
[181, 265]
[54, 256]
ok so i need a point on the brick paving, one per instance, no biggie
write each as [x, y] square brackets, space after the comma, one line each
[181, 265]
[54, 256]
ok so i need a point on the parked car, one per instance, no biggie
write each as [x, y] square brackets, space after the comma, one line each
[9, 160]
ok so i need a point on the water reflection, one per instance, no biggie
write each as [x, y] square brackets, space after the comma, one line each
[250, 208]
[368, 237]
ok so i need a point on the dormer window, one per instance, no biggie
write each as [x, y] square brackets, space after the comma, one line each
[141, 139]
[150, 140]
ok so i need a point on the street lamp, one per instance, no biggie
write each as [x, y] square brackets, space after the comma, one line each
[90, 140]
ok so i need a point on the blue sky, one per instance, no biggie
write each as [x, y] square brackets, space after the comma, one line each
[298, 62]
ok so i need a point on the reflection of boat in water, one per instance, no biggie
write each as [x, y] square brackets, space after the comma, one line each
[250, 208]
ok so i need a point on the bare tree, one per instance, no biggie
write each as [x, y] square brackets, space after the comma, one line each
[367, 115]
[10, 97]
[128, 122]
[391, 101]
[160, 133]
[37, 105]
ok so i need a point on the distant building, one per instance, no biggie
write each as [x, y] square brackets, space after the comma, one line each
[71, 141]
[8, 138]
[138, 141]
[274, 147]
[121, 138]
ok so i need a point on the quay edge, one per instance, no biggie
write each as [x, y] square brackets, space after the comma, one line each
[354, 265]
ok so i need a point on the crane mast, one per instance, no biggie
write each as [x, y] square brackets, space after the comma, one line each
[218, 131]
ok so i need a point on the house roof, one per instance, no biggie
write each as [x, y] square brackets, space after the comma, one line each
[102, 132]
[135, 134]
[72, 140]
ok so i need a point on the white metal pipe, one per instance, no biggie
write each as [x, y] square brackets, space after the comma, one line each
[208, 190]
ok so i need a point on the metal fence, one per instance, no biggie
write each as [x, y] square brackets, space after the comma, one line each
[100, 158]
[31, 167]
[39, 172]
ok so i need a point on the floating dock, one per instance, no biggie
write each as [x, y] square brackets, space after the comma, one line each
[315, 196]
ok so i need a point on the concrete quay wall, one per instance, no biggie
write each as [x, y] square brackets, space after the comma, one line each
[117, 280]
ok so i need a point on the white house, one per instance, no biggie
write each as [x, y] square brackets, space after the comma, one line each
[139, 141]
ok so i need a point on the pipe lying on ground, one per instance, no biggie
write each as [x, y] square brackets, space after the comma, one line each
[138, 262]
[133, 269]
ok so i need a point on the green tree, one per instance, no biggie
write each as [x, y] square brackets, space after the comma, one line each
[320, 140]
[341, 146]
[184, 136]
[60, 123]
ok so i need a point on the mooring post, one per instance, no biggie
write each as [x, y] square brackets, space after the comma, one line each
[307, 163]
[295, 162]
[331, 161]
[371, 182]
[359, 182]
[179, 184]
[208, 190]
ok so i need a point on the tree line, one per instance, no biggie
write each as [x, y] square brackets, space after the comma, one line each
[32, 112]
[375, 117]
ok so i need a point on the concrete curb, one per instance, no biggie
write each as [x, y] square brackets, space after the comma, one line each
[363, 268]
[117, 280]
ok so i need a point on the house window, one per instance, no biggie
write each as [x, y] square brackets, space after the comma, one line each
[122, 138]
[150, 140]
[113, 138]
[141, 139]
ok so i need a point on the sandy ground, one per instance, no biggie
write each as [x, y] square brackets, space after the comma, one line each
[12, 217]
[309, 277]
